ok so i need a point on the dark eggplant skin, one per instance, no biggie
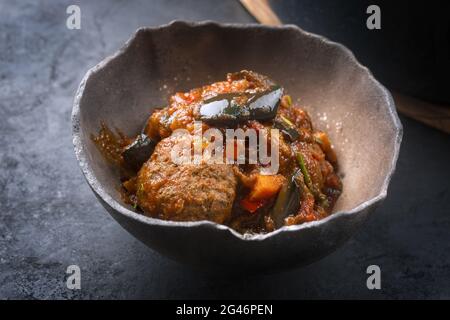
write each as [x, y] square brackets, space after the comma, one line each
[225, 108]
[287, 128]
[288, 201]
[222, 108]
[138, 152]
[264, 106]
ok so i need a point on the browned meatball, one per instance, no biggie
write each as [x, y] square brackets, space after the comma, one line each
[185, 192]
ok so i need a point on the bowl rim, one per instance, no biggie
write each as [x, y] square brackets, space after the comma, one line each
[101, 192]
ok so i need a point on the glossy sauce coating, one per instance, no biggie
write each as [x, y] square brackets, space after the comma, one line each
[235, 195]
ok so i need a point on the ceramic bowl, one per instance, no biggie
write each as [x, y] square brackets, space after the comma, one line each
[342, 97]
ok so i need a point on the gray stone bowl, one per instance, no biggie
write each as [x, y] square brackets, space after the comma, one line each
[342, 97]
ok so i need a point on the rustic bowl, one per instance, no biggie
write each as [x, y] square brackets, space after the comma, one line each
[341, 96]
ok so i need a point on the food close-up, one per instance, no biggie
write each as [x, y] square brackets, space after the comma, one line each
[239, 151]
[243, 196]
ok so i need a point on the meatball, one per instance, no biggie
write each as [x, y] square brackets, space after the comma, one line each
[185, 192]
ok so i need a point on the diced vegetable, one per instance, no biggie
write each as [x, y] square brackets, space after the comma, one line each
[130, 185]
[286, 100]
[287, 127]
[266, 187]
[322, 139]
[252, 206]
[229, 108]
[138, 151]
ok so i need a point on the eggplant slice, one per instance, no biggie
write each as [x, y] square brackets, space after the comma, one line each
[138, 152]
[288, 201]
[287, 127]
[232, 108]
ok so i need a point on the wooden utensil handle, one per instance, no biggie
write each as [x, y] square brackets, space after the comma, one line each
[436, 116]
[262, 12]
[433, 115]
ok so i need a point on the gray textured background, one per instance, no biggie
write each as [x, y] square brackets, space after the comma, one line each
[50, 219]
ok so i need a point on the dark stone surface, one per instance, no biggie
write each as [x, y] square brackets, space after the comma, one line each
[50, 219]
[409, 53]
